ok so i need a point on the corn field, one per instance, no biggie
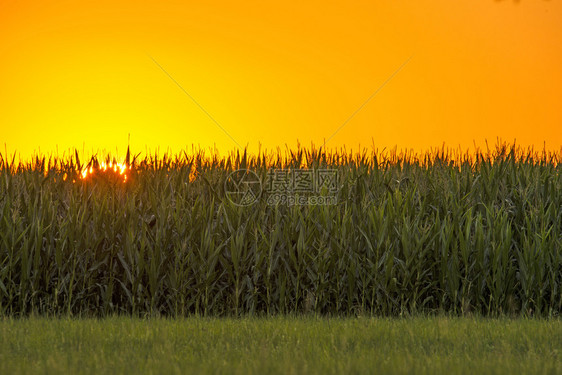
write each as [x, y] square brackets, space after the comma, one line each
[441, 232]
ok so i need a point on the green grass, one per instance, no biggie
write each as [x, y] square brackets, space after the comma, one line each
[283, 345]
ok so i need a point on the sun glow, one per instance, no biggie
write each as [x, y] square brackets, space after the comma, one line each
[87, 74]
[105, 168]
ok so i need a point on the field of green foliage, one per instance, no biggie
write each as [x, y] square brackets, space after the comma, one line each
[434, 233]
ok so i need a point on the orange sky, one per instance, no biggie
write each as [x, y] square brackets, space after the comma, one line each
[80, 73]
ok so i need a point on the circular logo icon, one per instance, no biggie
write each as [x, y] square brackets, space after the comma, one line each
[243, 187]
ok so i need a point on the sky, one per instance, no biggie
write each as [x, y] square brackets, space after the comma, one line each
[173, 75]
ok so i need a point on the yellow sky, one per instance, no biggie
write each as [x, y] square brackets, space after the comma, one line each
[85, 74]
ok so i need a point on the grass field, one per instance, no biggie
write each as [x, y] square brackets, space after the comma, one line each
[280, 345]
[408, 234]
